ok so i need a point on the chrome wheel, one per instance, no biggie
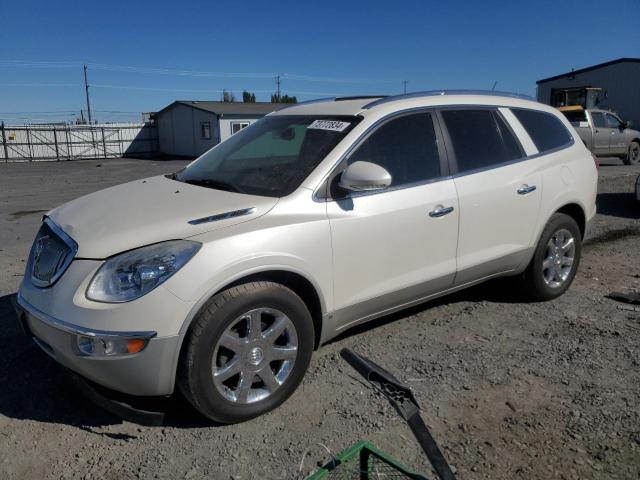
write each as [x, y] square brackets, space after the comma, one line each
[558, 258]
[255, 355]
[634, 153]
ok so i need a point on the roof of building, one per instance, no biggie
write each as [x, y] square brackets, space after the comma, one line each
[229, 108]
[588, 69]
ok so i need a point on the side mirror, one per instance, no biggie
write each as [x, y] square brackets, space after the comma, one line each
[364, 177]
[625, 124]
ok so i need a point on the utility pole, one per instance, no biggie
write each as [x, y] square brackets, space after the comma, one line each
[86, 89]
[278, 87]
[404, 86]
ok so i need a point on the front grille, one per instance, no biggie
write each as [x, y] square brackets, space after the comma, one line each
[51, 253]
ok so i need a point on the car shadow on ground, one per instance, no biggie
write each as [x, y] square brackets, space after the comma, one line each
[35, 387]
[498, 290]
[621, 204]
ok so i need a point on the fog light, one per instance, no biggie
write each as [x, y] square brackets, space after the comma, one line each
[110, 346]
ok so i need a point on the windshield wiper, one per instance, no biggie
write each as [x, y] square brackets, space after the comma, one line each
[207, 182]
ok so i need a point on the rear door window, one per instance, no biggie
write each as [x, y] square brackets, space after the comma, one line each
[545, 129]
[480, 138]
[598, 120]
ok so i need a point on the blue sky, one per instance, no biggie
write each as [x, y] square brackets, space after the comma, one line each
[320, 47]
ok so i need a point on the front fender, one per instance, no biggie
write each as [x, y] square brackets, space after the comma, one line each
[240, 270]
[233, 274]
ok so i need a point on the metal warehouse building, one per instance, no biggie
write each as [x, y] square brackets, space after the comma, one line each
[613, 85]
[190, 128]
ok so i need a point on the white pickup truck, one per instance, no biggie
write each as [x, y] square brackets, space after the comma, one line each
[604, 133]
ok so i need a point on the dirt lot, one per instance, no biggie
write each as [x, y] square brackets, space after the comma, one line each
[510, 389]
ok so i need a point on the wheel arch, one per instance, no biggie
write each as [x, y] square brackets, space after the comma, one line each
[299, 284]
[576, 212]
[297, 281]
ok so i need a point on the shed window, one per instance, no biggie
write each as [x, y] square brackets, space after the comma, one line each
[237, 126]
[205, 130]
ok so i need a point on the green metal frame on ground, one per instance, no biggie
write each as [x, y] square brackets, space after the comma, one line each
[363, 461]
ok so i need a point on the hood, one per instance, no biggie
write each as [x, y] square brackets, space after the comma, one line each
[151, 210]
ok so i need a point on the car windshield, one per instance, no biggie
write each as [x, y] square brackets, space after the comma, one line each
[272, 157]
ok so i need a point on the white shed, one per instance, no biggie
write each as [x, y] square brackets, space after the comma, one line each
[190, 128]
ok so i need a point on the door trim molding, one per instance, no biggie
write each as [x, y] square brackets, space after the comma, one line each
[339, 321]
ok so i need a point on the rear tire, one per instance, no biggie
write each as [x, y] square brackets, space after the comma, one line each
[555, 259]
[633, 155]
[248, 350]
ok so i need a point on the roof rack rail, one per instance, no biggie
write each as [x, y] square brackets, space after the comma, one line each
[337, 99]
[315, 100]
[433, 93]
[358, 97]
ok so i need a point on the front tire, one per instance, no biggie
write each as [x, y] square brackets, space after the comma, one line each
[247, 352]
[555, 259]
[633, 155]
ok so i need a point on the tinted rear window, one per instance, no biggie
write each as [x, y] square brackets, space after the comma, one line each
[575, 116]
[480, 138]
[546, 131]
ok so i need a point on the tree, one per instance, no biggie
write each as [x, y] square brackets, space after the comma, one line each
[248, 97]
[275, 98]
[228, 96]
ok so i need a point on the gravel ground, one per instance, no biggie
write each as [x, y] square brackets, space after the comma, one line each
[510, 389]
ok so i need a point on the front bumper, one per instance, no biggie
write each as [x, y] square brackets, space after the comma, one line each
[147, 373]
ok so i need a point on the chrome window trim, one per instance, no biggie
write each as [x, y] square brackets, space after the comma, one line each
[73, 247]
[511, 162]
[222, 216]
[434, 109]
[364, 136]
[74, 329]
[524, 158]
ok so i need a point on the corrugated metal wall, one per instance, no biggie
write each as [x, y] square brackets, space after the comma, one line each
[620, 82]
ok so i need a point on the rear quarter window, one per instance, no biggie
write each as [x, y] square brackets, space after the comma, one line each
[546, 130]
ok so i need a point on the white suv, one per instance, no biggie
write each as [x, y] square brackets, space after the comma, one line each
[222, 278]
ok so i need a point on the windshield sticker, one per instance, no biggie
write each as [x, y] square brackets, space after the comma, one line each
[332, 125]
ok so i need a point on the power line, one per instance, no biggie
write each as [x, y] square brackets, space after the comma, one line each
[19, 85]
[156, 89]
[190, 73]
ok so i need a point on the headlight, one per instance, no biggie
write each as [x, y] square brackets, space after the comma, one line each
[133, 274]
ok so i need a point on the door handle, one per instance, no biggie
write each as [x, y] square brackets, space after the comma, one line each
[524, 189]
[440, 211]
